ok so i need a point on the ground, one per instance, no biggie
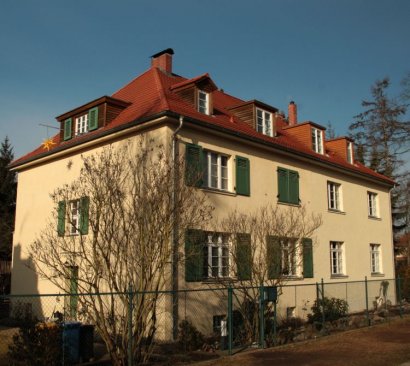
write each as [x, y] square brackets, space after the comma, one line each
[381, 345]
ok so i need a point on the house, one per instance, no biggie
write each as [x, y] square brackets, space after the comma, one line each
[253, 155]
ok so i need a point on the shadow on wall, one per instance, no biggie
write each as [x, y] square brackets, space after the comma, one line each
[25, 299]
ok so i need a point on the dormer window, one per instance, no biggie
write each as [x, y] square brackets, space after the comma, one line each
[317, 140]
[203, 102]
[350, 152]
[264, 122]
[81, 124]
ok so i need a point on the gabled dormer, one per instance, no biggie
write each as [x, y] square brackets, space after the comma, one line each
[197, 92]
[342, 147]
[89, 117]
[309, 134]
[260, 116]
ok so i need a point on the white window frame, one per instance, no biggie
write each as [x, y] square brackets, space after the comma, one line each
[337, 265]
[203, 102]
[216, 247]
[74, 222]
[81, 124]
[372, 204]
[317, 140]
[216, 171]
[375, 259]
[264, 122]
[350, 153]
[334, 196]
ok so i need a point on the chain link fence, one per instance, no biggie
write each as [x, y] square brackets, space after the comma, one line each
[61, 329]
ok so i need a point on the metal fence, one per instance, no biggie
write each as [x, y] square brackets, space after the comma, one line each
[58, 328]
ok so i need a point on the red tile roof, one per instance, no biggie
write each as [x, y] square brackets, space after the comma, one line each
[151, 93]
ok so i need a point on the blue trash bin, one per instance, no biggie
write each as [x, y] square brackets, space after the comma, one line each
[71, 341]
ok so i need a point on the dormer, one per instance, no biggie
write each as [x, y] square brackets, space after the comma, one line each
[197, 92]
[260, 116]
[309, 134]
[342, 147]
[89, 117]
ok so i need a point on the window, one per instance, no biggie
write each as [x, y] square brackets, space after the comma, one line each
[289, 256]
[216, 256]
[216, 171]
[317, 141]
[288, 186]
[333, 196]
[264, 122]
[375, 258]
[336, 258]
[372, 204]
[350, 153]
[81, 124]
[76, 213]
[203, 102]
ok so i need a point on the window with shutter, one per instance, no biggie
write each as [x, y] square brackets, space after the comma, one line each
[61, 218]
[242, 176]
[71, 301]
[84, 207]
[244, 257]
[273, 257]
[288, 186]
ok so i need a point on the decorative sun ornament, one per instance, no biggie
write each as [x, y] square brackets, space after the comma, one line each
[48, 144]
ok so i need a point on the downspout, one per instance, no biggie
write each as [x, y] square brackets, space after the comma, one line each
[175, 229]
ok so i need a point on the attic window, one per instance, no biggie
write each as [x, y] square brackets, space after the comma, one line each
[264, 122]
[317, 140]
[81, 124]
[203, 102]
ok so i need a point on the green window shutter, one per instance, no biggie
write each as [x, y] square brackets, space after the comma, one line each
[84, 207]
[194, 255]
[193, 165]
[67, 129]
[273, 257]
[243, 176]
[73, 292]
[293, 187]
[61, 218]
[283, 179]
[307, 258]
[244, 257]
[93, 119]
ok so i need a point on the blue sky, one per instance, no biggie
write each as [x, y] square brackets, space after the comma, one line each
[56, 55]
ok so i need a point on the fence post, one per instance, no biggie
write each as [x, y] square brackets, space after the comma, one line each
[130, 357]
[323, 304]
[399, 295]
[367, 301]
[261, 316]
[230, 320]
[274, 322]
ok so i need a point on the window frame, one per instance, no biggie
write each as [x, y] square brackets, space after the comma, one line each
[74, 218]
[203, 96]
[350, 152]
[221, 243]
[337, 259]
[291, 260]
[334, 196]
[372, 205]
[263, 127]
[375, 259]
[220, 168]
[81, 124]
[317, 140]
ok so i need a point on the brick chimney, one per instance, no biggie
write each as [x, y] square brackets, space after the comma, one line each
[163, 60]
[292, 113]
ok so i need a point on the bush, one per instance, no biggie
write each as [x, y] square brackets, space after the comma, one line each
[37, 344]
[333, 309]
[189, 338]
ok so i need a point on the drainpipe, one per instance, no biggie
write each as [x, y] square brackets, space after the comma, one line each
[175, 229]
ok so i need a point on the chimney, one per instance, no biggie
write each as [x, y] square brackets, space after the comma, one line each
[163, 60]
[292, 113]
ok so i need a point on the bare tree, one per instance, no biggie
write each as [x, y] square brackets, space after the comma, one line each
[115, 226]
[269, 246]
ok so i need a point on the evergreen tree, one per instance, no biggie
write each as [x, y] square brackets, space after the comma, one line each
[8, 188]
